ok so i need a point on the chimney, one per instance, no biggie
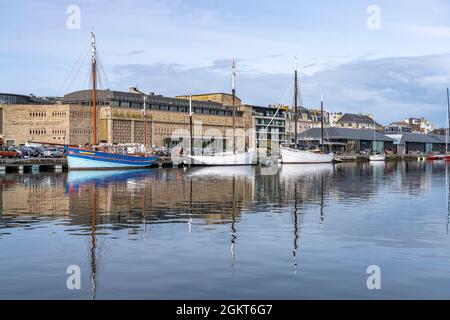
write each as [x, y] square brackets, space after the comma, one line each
[134, 89]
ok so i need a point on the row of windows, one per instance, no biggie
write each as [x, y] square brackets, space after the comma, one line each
[173, 108]
[280, 114]
[38, 114]
[58, 132]
[80, 114]
[38, 131]
[266, 122]
[81, 131]
[59, 114]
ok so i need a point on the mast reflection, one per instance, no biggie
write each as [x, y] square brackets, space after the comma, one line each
[93, 243]
[296, 229]
[233, 224]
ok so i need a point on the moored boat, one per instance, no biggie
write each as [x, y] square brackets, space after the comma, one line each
[227, 158]
[294, 154]
[377, 157]
[436, 157]
[97, 157]
[291, 155]
[78, 158]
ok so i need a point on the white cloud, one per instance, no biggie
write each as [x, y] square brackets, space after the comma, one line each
[429, 31]
[390, 88]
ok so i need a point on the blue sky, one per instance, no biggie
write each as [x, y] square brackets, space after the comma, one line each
[177, 47]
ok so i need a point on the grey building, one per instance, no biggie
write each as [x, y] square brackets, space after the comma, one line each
[347, 140]
[407, 143]
[12, 98]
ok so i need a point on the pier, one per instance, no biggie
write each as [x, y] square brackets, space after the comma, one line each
[54, 164]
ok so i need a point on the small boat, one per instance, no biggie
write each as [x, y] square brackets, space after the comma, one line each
[436, 157]
[96, 158]
[377, 157]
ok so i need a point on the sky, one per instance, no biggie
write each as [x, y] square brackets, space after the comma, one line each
[391, 62]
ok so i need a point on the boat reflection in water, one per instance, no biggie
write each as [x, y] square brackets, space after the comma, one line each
[90, 182]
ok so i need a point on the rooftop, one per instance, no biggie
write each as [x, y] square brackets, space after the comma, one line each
[344, 133]
[357, 118]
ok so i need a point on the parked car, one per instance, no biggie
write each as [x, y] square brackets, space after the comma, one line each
[6, 152]
[28, 152]
[53, 152]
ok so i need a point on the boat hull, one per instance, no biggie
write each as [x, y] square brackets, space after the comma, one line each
[82, 159]
[436, 157]
[377, 157]
[289, 155]
[225, 159]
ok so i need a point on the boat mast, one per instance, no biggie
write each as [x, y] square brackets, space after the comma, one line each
[321, 121]
[295, 103]
[448, 123]
[374, 129]
[191, 134]
[145, 121]
[233, 92]
[94, 89]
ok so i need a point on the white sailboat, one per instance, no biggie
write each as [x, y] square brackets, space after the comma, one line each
[376, 156]
[228, 158]
[295, 155]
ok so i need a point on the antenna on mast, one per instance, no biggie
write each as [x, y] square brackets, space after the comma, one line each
[295, 102]
[233, 92]
[93, 47]
[94, 88]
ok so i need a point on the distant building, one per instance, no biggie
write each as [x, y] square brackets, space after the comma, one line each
[408, 143]
[348, 140]
[419, 125]
[12, 98]
[334, 117]
[220, 97]
[440, 131]
[398, 128]
[306, 119]
[358, 121]
[270, 125]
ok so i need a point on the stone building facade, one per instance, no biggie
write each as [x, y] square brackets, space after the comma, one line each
[119, 122]
[59, 124]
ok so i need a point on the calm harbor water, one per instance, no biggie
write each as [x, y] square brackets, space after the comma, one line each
[309, 231]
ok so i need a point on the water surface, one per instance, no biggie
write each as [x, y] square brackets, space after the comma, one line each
[309, 231]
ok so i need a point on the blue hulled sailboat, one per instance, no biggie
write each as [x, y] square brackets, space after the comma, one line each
[100, 157]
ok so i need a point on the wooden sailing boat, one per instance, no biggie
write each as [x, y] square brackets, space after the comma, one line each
[292, 154]
[228, 158]
[98, 157]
